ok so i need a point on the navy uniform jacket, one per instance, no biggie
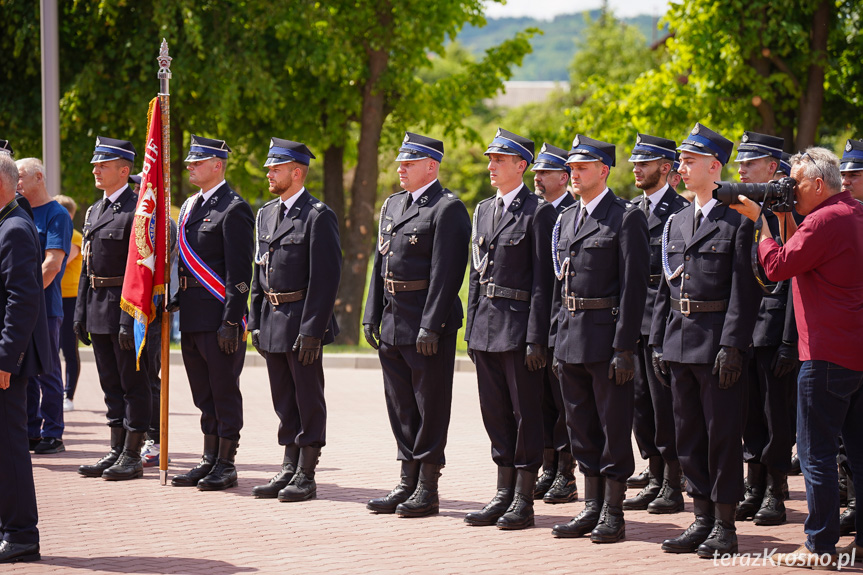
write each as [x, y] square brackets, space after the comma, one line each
[301, 253]
[25, 346]
[776, 323]
[608, 257]
[429, 241]
[567, 201]
[716, 266]
[107, 232]
[669, 203]
[222, 234]
[519, 257]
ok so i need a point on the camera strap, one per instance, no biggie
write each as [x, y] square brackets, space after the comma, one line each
[766, 285]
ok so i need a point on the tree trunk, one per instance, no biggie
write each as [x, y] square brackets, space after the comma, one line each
[813, 96]
[178, 195]
[360, 225]
[762, 104]
[334, 183]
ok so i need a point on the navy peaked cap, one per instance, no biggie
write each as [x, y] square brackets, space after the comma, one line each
[586, 149]
[852, 159]
[649, 148]
[202, 148]
[510, 144]
[108, 149]
[702, 140]
[551, 158]
[754, 145]
[418, 147]
[284, 151]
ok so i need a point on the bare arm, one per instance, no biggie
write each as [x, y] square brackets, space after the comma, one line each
[51, 266]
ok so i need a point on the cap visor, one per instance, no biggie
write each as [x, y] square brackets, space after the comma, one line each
[746, 155]
[850, 166]
[195, 157]
[644, 158]
[687, 147]
[104, 158]
[545, 166]
[276, 162]
[580, 158]
[410, 156]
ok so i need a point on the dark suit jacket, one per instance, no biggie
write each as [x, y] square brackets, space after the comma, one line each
[716, 266]
[302, 253]
[670, 202]
[608, 257]
[25, 347]
[776, 322]
[519, 257]
[106, 235]
[430, 242]
[567, 201]
[221, 232]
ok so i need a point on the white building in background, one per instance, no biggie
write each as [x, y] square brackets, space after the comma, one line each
[520, 93]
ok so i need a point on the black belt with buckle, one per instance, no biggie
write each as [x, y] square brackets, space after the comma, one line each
[187, 282]
[494, 290]
[395, 286]
[654, 279]
[576, 303]
[687, 306]
[97, 282]
[287, 297]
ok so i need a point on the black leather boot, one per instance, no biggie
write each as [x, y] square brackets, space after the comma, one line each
[695, 534]
[585, 522]
[848, 519]
[564, 489]
[129, 464]
[755, 486]
[723, 537]
[223, 475]
[208, 459]
[519, 515]
[118, 440]
[640, 480]
[611, 527]
[424, 500]
[843, 486]
[281, 479]
[498, 505]
[642, 499]
[401, 492]
[549, 472]
[302, 486]
[772, 511]
[795, 465]
[670, 498]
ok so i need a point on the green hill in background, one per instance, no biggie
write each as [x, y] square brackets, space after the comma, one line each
[554, 49]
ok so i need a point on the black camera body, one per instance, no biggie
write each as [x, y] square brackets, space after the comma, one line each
[778, 195]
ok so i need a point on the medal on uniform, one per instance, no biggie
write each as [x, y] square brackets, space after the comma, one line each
[412, 239]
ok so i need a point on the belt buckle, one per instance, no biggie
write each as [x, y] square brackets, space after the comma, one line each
[489, 290]
[571, 303]
[684, 306]
[92, 282]
[272, 297]
[390, 286]
[183, 284]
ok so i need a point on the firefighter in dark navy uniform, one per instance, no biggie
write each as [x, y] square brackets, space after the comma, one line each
[702, 326]
[412, 315]
[557, 482]
[107, 231]
[653, 416]
[216, 249]
[507, 331]
[298, 266]
[601, 265]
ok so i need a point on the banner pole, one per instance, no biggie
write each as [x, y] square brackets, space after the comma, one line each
[165, 103]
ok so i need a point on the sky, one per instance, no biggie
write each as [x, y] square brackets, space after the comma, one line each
[548, 9]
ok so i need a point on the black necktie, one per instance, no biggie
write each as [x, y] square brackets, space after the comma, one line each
[645, 206]
[697, 221]
[282, 211]
[581, 217]
[408, 202]
[498, 211]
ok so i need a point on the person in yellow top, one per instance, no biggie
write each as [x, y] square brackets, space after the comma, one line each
[69, 289]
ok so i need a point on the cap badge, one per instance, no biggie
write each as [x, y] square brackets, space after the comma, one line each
[848, 146]
[497, 133]
[745, 138]
[271, 143]
[638, 139]
[575, 142]
[695, 130]
[542, 151]
[407, 139]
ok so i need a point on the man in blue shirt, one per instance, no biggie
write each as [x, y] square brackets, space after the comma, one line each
[45, 391]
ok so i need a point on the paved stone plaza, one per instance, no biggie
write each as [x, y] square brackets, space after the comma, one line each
[92, 525]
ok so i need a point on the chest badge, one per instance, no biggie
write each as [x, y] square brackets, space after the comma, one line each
[481, 240]
[412, 239]
[389, 227]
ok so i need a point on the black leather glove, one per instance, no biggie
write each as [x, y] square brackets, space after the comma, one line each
[729, 366]
[660, 366]
[229, 337]
[173, 304]
[256, 342]
[427, 341]
[309, 348]
[372, 334]
[471, 356]
[622, 366]
[785, 360]
[81, 333]
[126, 339]
[534, 356]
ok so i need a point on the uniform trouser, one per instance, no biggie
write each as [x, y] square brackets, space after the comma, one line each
[554, 432]
[709, 427]
[127, 391]
[151, 362]
[510, 400]
[661, 409]
[214, 378]
[769, 430]
[599, 419]
[69, 347]
[418, 392]
[298, 398]
[18, 514]
[45, 392]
